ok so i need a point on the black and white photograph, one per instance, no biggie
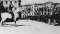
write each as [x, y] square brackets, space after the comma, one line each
[29, 17]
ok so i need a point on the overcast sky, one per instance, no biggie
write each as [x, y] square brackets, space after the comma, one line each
[37, 1]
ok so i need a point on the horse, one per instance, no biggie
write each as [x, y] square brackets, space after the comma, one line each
[4, 16]
[8, 15]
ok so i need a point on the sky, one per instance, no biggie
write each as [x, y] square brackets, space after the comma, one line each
[23, 2]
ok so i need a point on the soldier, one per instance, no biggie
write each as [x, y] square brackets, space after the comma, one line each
[10, 7]
[2, 9]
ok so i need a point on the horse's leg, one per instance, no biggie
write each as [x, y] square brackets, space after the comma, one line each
[2, 20]
[15, 24]
[54, 22]
[2, 24]
[49, 21]
[14, 20]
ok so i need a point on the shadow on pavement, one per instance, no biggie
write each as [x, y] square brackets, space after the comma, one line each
[10, 25]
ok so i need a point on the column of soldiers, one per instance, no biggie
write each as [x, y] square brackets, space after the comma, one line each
[49, 15]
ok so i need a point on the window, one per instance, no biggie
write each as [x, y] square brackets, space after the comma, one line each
[2, 2]
[6, 2]
[15, 1]
[10, 2]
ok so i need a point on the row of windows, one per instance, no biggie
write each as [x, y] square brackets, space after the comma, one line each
[10, 2]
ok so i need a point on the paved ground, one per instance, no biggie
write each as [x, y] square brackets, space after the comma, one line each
[30, 27]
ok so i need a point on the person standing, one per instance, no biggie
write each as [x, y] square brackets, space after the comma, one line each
[10, 6]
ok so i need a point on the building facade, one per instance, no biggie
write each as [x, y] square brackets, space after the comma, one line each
[47, 8]
[16, 4]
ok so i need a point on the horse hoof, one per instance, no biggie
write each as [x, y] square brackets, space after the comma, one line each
[15, 25]
[2, 25]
